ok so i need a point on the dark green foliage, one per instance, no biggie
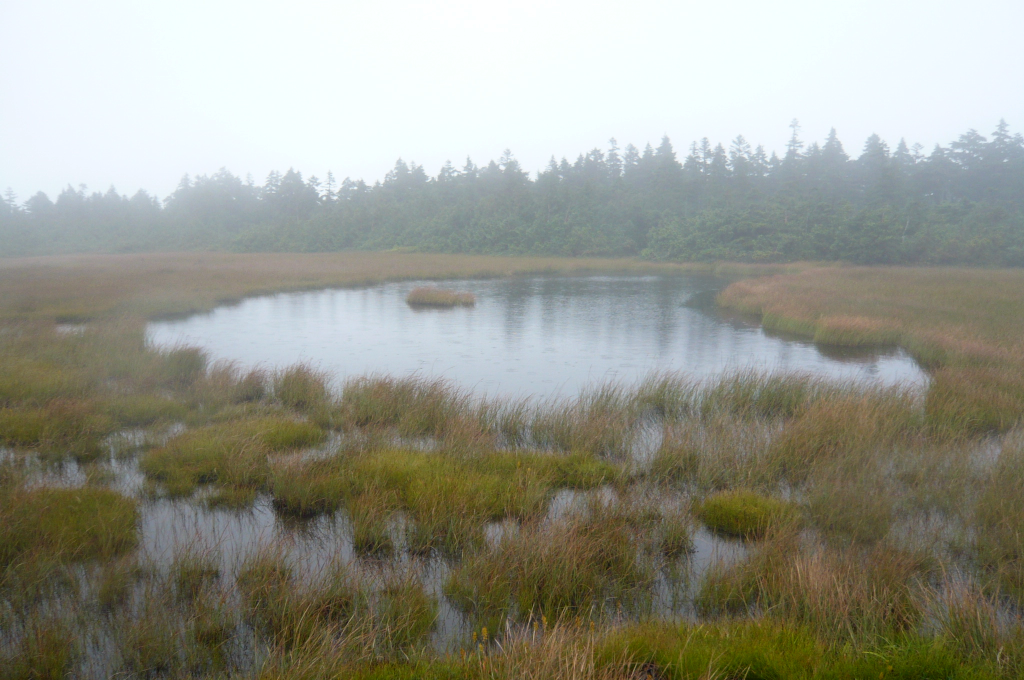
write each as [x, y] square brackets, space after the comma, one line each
[960, 205]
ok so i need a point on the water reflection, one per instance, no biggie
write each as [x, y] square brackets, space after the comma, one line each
[540, 335]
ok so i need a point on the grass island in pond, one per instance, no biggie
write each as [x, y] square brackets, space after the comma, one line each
[433, 296]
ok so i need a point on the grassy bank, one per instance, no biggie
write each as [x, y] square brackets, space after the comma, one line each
[751, 525]
[967, 325]
[82, 287]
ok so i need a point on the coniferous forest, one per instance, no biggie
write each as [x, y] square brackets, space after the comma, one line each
[957, 204]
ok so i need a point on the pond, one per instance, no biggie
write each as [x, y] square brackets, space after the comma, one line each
[534, 336]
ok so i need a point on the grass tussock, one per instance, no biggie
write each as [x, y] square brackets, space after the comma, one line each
[432, 296]
[233, 456]
[746, 514]
[301, 388]
[66, 524]
[580, 565]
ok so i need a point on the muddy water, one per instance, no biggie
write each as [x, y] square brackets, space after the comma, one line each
[540, 336]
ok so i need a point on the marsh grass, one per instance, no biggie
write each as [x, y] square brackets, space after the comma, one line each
[66, 524]
[964, 324]
[999, 518]
[116, 583]
[192, 571]
[432, 296]
[302, 388]
[746, 514]
[46, 651]
[233, 456]
[906, 560]
[566, 568]
[414, 406]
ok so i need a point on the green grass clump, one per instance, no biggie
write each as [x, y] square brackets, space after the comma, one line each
[745, 514]
[145, 409]
[67, 524]
[404, 611]
[432, 296]
[232, 455]
[771, 650]
[308, 489]
[751, 650]
[302, 388]
[182, 366]
[22, 427]
[61, 429]
[282, 434]
[191, 572]
[559, 569]
[209, 455]
[46, 651]
[34, 382]
[372, 514]
[448, 497]
[414, 406]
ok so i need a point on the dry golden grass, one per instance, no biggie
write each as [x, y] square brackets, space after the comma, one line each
[78, 287]
[939, 314]
[967, 325]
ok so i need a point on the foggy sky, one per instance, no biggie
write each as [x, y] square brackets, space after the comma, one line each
[136, 94]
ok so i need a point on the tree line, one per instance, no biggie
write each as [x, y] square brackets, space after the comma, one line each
[958, 204]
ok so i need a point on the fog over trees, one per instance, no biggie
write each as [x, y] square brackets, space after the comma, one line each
[887, 204]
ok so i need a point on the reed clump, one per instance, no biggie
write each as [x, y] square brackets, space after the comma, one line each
[432, 296]
[192, 571]
[999, 519]
[47, 650]
[746, 514]
[414, 406]
[66, 524]
[301, 388]
[233, 455]
[564, 568]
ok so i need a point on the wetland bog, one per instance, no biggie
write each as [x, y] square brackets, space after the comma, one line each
[176, 511]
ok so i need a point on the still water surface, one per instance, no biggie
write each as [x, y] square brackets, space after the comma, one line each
[541, 336]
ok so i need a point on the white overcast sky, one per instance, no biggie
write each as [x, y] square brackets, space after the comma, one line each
[135, 94]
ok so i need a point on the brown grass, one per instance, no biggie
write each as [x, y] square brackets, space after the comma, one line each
[940, 314]
[79, 287]
[967, 324]
[432, 296]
